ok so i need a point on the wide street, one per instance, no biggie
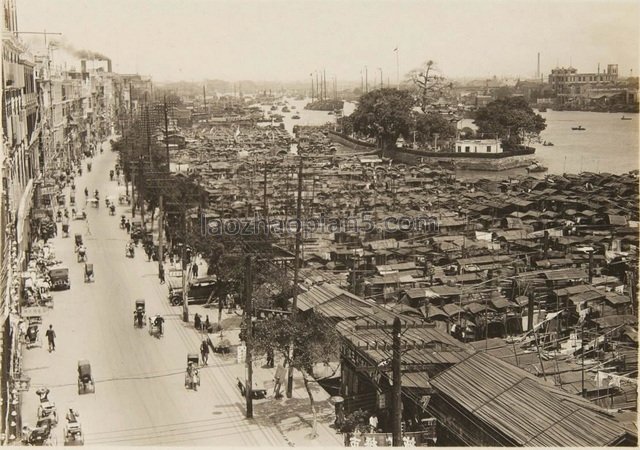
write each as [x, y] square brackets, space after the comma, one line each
[140, 398]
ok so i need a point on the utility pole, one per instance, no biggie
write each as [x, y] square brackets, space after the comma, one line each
[166, 133]
[185, 267]
[265, 203]
[249, 331]
[296, 268]
[160, 235]
[396, 405]
[582, 392]
[366, 79]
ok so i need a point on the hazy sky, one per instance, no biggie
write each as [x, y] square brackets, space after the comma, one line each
[286, 40]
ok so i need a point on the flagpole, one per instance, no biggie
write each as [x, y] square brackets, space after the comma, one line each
[397, 67]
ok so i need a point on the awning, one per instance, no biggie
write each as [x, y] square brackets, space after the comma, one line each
[23, 210]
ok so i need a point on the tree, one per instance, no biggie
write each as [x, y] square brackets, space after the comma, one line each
[313, 342]
[510, 119]
[428, 85]
[384, 114]
[432, 123]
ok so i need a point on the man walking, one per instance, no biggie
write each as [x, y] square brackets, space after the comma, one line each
[194, 270]
[51, 336]
[161, 274]
[204, 351]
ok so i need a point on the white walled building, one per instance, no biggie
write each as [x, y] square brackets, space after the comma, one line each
[478, 146]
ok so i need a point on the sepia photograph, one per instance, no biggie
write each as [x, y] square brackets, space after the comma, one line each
[319, 223]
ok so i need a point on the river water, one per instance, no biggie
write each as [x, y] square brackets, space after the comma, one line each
[608, 144]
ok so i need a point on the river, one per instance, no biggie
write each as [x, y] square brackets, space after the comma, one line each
[607, 144]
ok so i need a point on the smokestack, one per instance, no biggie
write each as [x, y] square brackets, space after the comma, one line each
[83, 65]
[538, 71]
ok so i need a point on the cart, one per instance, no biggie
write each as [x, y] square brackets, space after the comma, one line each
[72, 200]
[65, 230]
[48, 410]
[82, 254]
[85, 379]
[139, 314]
[156, 326]
[88, 273]
[78, 238]
[124, 199]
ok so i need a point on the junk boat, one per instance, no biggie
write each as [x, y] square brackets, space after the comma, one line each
[578, 128]
[625, 118]
[536, 167]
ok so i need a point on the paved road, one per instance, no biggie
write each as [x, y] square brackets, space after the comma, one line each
[140, 397]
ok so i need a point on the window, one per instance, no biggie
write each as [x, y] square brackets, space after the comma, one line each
[467, 149]
[459, 148]
[488, 149]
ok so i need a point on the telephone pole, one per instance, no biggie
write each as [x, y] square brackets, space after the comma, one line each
[160, 235]
[396, 405]
[248, 331]
[296, 268]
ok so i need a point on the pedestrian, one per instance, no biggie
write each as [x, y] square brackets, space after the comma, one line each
[373, 423]
[270, 358]
[127, 225]
[51, 336]
[207, 324]
[194, 269]
[197, 322]
[147, 250]
[161, 274]
[204, 351]
[280, 374]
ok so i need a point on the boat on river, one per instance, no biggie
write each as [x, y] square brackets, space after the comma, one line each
[625, 118]
[578, 128]
[547, 144]
[295, 116]
[536, 167]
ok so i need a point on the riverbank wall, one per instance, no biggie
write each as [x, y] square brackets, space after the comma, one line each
[489, 162]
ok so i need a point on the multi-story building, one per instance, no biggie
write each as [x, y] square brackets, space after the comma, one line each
[583, 89]
[19, 167]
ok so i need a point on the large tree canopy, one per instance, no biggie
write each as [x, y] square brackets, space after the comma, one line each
[511, 120]
[384, 114]
[429, 124]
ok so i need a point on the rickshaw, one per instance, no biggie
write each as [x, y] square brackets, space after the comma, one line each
[138, 314]
[62, 200]
[40, 435]
[94, 202]
[88, 273]
[191, 376]
[48, 409]
[129, 250]
[80, 215]
[112, 209]
[85, 380]
[73, 430]
[82, 254]
[156, 327]
[124, 199]
[72, 200]
[65, 230]
[78, 238]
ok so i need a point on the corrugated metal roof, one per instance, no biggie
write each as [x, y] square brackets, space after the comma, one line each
[515, 403]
